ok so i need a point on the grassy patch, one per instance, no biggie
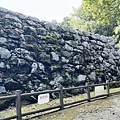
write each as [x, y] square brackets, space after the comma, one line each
[115, 90]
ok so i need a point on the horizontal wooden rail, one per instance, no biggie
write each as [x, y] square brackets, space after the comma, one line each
[8, 97]
[115, 82]
[98, 84]
[37, 93]
[73, 88]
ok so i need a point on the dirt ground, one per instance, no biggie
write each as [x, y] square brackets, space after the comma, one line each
[101, 110]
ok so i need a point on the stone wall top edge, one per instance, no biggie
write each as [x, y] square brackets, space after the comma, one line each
[62, 27]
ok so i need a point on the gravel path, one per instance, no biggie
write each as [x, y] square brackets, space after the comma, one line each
[101, 110]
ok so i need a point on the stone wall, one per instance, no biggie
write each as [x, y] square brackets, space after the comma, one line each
[37, 55]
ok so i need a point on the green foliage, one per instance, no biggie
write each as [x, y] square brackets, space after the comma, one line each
[117, 30]
[98, 16]
[66, 21]
[117, 35]
[106, 12]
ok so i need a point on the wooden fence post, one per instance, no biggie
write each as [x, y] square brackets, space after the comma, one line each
[18, 104]
[61, 97]
[88, 91]
[108, 88]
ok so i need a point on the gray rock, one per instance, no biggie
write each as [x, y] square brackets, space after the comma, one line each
[103, 39]
[55, 56]
[41, 31]
[111, 56]
[106, 64]
[21, 78]
[34, 67]
[10, 84]
[4, 53]
[22, 53]
[41, 87]
[20, 15]
[100, 59]
[13, 34]
[80, 32]
[31, 23]
[62, 28]
[80, 47]
[3, 40]
[16, 19]
[33, 19]
[92, 76]
[68, 47]
[18, 25]
[85, 38]
[86, 34]
[94, 36]
[67, 54]
[28, 30]
[65, 60]
[1, 80]
[41, 66]
[21, 62]
[44, 58]
[2, 89]
[52, 82]
[118, 52]
[85, 44]
[77, 37]
[81, 78]
[50, 26]
[71, 30]
[28, 57]
[111, 61]
[2, 65]
[58, 78]
[3, 10]
[8, 66]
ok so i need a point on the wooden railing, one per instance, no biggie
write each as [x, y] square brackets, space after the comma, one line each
[61, 105]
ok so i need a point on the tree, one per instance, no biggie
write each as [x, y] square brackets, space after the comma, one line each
[106, 12]
[98, 16]
[80, 20]
[66, 21]
[117, 35]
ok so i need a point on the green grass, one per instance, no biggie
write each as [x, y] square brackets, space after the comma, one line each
[60, 115]
[115, 90]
